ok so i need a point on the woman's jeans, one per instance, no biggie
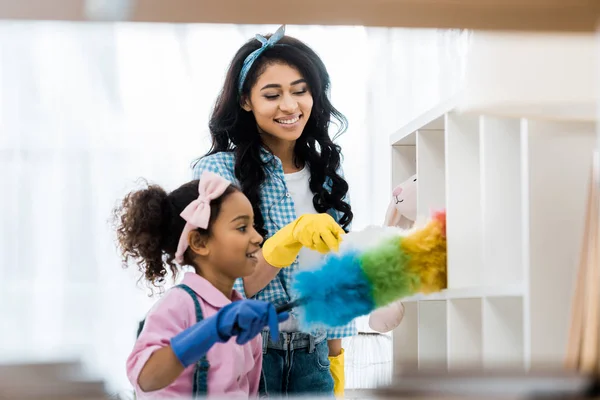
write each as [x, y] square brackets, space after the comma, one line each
[297, 364]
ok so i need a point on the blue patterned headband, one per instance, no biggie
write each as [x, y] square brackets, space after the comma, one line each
[256, 53]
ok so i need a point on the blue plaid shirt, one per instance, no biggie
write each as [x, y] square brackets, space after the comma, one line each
[277, 208]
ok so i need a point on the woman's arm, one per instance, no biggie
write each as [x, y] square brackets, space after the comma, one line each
[262, 275]
[161, 369]
[335, 347]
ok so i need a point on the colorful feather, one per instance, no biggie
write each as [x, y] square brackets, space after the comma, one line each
[373, 268]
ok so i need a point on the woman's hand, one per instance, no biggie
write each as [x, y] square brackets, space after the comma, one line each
[318, 232]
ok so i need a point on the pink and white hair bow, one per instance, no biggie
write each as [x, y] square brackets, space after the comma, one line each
[197, 213]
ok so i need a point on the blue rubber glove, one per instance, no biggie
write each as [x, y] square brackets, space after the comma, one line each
[244, 319]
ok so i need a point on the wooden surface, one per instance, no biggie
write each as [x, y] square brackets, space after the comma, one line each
[530, 15]
[49, 381]
[583, 352]
[476, 383]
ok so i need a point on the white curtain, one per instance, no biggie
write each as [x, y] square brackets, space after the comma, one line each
[87, 109]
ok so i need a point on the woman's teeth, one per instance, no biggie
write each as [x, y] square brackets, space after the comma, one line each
[288, 121]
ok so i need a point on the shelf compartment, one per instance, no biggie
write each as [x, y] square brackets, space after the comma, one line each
[433, 349]
[431, 171]
[464, 334]
[501, 200]
[503, 336]
[404, 163]
[463, 200]
[431, 119]
[406, 340]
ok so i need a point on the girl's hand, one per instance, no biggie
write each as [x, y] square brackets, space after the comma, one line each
[243, 319]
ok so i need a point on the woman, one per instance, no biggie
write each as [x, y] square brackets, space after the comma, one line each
[270, 135]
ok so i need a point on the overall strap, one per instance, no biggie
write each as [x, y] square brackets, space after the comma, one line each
[199, 316]
[200, 389]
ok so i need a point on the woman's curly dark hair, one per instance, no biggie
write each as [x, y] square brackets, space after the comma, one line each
[235, 130]
[148, 226]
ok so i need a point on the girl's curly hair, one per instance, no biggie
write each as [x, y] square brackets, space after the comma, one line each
[148, 226]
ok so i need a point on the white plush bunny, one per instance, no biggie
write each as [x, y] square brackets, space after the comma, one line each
[402, 212]
[387, 318]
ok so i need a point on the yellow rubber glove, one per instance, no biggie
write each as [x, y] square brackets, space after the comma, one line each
[318, 232]
[336, 368]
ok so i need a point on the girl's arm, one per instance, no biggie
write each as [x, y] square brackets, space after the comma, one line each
[161, 369]
[152, 364]
[262, 275]
[159, 366]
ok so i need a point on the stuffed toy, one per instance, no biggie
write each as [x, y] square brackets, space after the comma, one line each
[402, 210]
[387, 318]
[373, 268]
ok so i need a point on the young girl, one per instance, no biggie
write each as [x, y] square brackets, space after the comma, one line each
[187, 347]
[270, 134]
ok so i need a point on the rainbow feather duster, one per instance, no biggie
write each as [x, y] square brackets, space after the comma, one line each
[373, 268]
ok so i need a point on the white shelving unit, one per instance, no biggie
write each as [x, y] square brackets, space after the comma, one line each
[514, 190]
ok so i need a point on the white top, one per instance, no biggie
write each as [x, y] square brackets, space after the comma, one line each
[297, 183]
[299, 189]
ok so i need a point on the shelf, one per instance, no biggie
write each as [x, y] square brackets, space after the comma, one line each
[510, 290]
[433, 119]
[431, 170]
[432, 335]
[503, 333]
[464, 333]
[514, 191]
[501, 200]
[406, 339]
[463, 201]
[404, 160]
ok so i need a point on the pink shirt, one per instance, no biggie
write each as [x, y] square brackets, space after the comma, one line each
[234, 369]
